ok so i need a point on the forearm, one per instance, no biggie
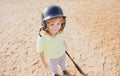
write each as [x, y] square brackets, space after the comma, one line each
[42, 56]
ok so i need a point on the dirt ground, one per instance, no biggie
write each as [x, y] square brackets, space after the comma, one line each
[92, 35]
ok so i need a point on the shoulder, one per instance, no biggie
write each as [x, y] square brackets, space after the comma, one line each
[62, 34]
[40, 39]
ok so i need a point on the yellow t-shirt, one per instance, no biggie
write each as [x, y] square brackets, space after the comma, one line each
[53, 47]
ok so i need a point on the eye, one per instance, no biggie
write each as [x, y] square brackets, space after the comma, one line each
[58, 23]
[51, 24]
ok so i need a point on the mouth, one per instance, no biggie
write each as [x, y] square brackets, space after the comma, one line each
[55, 30]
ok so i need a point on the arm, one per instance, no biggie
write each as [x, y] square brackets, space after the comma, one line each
[40, 50]
[42, 56]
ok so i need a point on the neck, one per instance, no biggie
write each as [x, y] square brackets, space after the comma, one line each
[53, 35]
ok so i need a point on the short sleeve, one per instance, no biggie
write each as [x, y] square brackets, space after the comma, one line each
[63, 36]
[40, 44]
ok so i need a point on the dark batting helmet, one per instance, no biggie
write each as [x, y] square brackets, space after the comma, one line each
[50, 12]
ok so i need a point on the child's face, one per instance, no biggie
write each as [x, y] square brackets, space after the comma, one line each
[54, 25]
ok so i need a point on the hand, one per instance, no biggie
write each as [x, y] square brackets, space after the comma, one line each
[46, 66]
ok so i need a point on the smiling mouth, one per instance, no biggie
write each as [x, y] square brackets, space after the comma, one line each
[55, 30]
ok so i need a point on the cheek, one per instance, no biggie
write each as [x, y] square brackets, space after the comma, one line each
[48, 28]
[59, 26]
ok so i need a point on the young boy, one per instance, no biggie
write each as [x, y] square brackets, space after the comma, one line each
[50, 43]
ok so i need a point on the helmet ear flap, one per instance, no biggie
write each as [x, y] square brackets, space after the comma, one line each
[43, 25]
[64, 23]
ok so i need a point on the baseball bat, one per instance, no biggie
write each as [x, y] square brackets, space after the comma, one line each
[78, 68]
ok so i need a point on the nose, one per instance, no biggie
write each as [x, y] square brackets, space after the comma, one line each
[56, 25]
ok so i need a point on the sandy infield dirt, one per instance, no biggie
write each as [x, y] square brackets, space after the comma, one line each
[92, 35]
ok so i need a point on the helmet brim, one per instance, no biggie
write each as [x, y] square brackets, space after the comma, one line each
[50, 17]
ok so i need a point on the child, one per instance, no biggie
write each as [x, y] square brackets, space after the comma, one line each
[51, 40]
